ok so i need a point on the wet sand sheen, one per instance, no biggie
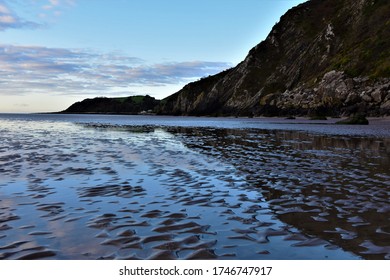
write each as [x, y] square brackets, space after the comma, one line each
[83, 192]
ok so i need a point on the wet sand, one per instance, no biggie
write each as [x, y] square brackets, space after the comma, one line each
[93, 191]
[335, 188]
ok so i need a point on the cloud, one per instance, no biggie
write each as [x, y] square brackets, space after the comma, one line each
[55, 7]
[51, 4]
[9, 19]
[34, 69]
[46, 11]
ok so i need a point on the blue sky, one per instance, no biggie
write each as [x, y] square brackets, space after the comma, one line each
[56, 52]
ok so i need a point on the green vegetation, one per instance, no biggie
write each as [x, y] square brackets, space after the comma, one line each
[309, 41]
[131, 105]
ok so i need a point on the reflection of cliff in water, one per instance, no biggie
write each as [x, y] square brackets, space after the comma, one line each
[333, 187]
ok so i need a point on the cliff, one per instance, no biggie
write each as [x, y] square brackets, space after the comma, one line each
[327, 57]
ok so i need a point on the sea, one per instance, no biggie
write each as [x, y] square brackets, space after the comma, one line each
[161, 187]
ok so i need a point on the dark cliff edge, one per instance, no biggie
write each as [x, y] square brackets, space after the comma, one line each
[327, 57]
[132, 105]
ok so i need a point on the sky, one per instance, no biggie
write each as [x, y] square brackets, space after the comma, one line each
[56, 52]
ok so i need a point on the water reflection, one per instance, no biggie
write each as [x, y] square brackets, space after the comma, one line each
[101, 191]
[335, 188]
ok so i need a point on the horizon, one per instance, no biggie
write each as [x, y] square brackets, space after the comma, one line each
[54, 53]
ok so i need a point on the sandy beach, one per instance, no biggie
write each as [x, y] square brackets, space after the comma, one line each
[96, 191]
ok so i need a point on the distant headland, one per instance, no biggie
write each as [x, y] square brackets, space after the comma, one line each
[132, 105]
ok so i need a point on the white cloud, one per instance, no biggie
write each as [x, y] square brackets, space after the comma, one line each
[3, 9]
[9, 19]
[51, 4]
[46, 11]
[33, 69]
[55, 7]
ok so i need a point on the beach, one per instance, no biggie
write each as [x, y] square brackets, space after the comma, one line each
[109, 187]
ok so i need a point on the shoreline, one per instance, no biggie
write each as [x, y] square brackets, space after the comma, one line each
[379, 127]
[306, 118]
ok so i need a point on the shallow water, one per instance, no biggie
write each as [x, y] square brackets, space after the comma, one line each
[132, 187]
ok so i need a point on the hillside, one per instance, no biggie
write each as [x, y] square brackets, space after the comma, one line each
[131, 105]
[328, 57]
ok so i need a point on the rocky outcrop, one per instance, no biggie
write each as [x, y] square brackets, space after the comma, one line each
[337, 94]
[323, 56]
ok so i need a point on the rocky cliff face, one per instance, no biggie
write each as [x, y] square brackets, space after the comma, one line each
[324, 56]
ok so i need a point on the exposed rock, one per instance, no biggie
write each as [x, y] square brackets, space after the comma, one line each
[323, 56]
[338, 94]
[358, 119]
[386, 106]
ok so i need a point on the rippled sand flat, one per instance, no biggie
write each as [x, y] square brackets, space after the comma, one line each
[97, 191]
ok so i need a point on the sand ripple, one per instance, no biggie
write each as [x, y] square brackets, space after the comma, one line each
[105, 192]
